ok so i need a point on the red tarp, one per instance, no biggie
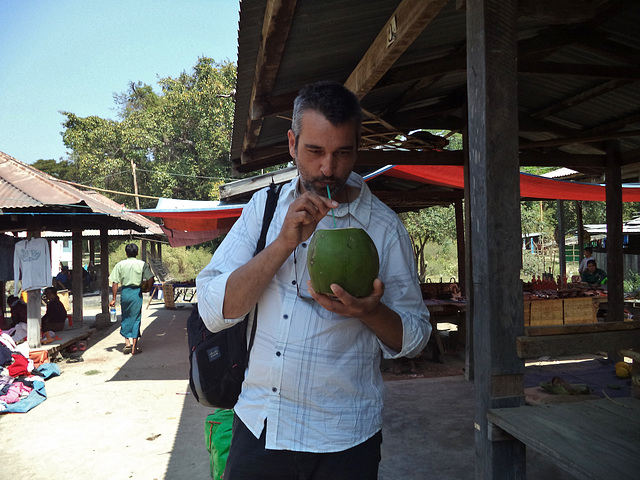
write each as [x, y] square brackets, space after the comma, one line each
[531, 186]
[193, 226]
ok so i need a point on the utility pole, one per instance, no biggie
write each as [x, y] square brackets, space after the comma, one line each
[135, 184]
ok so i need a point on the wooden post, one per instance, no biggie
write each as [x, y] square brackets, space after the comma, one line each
[469, 371]
[143, 250]
[77, 277]
[580, 222]
[34, 320]
[562, 254]
[105, 287]
[494, 190]
[460, 243]
[615, 273]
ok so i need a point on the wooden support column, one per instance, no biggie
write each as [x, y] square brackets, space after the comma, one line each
[34, 318]
[562, 254]
[614, 267]
[77, 281]
[469, 371]
[460, 243]
[105, 287]
[494, 191]
[143, 250]
[580, 222]
[159, 252]
[34, 305]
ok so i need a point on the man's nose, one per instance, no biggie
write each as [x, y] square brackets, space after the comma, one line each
[328, 165]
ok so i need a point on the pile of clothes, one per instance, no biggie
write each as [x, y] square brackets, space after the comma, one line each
[22, 375]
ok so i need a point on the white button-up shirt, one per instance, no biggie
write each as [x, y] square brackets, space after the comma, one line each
[313, 375]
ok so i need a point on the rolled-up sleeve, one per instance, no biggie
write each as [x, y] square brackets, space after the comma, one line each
[235, 250]
[402, 294]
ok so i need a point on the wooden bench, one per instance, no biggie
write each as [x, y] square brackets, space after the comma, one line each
[592, 439]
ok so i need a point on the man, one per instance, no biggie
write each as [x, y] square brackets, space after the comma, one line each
[594, 275]
[311, 402]
[588, 251]
[18, 310]
[56, 314]
[63, 279]
[130, 273]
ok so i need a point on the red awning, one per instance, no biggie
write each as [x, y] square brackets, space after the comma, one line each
[194, 226]
[531, 186]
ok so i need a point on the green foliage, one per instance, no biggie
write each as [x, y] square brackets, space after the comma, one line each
[185, 263]
[436, 225]
[442, 261]
[631, 283]
[179, 139]
[64, 169]
[182, 263]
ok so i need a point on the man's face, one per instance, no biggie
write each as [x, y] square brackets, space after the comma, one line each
[324, 154]
[591, 267]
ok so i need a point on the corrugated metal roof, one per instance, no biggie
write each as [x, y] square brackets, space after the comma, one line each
[29, 197]
[426, 87]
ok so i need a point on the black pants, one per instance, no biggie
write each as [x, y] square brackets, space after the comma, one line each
[249, 460]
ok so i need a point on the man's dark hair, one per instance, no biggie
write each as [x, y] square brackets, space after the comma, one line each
[333, 100]
[588, 249]
[131, 250]
[592, 261]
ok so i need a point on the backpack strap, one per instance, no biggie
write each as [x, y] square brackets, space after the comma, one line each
[273, 194]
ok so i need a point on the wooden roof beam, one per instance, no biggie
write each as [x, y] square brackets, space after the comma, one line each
[407, 22]
[275, 30]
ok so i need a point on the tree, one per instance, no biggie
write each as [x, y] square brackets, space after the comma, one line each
[179, 139]
[435, 224]
[64, 169]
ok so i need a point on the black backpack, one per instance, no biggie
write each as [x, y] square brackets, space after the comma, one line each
[217, 361]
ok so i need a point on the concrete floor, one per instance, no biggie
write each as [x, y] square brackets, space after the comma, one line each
[114, 416]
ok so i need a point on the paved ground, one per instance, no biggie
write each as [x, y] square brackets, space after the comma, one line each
[114, 416]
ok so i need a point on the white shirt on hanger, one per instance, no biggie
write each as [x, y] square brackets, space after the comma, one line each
[32, 264]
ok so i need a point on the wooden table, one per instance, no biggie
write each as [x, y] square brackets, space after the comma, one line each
[444, 311]
[594, 439]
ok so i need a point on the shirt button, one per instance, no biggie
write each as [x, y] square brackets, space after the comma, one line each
[274, 389]
[304, 245]
[285, 316]
[278, 354]
[293, 282]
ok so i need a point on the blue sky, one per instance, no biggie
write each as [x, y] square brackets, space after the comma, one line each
[73, 55]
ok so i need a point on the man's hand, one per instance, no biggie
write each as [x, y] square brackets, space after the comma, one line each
[303, 216]
[112, 303]
[345, 304]
[384, 322]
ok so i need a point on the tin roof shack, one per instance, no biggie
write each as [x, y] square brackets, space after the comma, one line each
[33, 201]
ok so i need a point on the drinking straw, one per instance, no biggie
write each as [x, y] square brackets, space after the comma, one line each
[332, 214]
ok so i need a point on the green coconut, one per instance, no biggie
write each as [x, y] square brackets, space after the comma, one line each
[345, 256]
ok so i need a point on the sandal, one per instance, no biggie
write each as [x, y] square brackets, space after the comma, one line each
[127, 349]
[137, 350]
[82, 346]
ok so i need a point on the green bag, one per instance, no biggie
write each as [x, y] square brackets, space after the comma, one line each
[217, 437]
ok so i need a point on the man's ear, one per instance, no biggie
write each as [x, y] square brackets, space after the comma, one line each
[292, 144]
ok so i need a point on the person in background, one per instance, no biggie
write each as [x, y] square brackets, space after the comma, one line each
[18, 310]
[311, 402]
[56, 315]
[130, 273]
[588, 251]
[63, 279]
[594, 275]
